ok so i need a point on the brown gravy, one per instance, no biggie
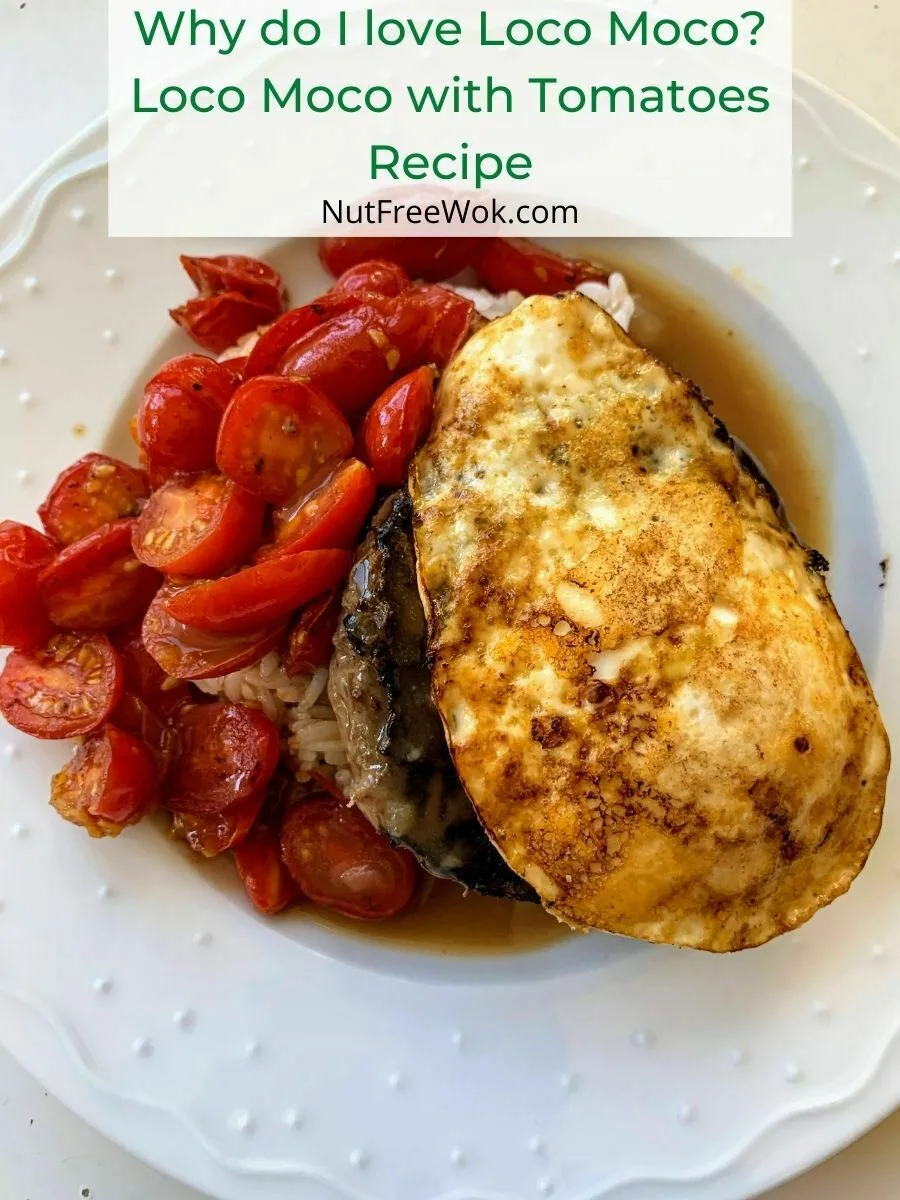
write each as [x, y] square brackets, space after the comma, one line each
[676, 326]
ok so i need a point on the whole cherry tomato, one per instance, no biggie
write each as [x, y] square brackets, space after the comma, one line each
[397, 424]
[179, 418]
[453, 320]
[229, 752]
[339, 860]
[92, 492]
[421, 258]
[373, 275]
[24, 553]
[67, 688]
[263, 874]
[516, 265]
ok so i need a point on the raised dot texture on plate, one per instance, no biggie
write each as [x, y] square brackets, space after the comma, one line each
[142, 1047]
[184, 1019]
[792, 1072]
[103, 986]
[17, 831]
[687, 1114]
[241, 1121]
[292, 1118]
[359, 1158]
[78, 214]
[30, 283]
[25, 399]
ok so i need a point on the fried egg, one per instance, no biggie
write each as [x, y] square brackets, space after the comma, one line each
[645, 687]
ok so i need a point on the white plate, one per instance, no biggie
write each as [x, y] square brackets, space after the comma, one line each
[268, 1060]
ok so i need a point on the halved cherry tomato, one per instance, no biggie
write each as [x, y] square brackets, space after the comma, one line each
[135, 716]
[217, 322]
[199, 526]
[339, 860]
[453, 321]
[421, 258]
[373, 275]
[186, 653]
[109, 783]
[112, 778]
[311, 640]
[145, 678]
[260, 594]
[277, 433]
[67, 688]
[330, 516]
[517, 265]
[97, 583]
[180, 415]
[92, 492]
[254, 279]
[279, 337]
[212, 835]
[228, 753]
[23, 555]
[352, 358]
[264, 876]
[397, 424]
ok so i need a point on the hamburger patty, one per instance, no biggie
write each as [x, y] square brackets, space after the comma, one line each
[402, 776]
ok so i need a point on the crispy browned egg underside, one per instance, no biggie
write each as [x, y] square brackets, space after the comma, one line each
[646, 689]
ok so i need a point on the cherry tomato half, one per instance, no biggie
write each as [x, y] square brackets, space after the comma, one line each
[339, 860]
[311, 640]
[263, 874]
[97, 583]
[134, 716]
[353, 357]
[23, 555]
[453, 320]
[278, 433]
[374, 275]
[145, 678]
[260, 594]
[199, 526]
[216, 322]
[330, 516]
[109, 783]
[212, 835]
[228, 753]
[397, 424]
[421, 258]
[92, 492]
[67, 688]
[253, 279]
[180, 415]
[185, 653]
[517, 265]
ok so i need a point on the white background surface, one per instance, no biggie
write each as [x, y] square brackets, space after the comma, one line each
[52, 83]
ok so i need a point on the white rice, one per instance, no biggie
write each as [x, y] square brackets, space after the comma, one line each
[613, 297]
[299, 704]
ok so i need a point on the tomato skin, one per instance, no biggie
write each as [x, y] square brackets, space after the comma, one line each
[517, 265]
[422, 258]
[179, 418]
[145, 678]
[330, 516]
[216, 322]
[311, 640]
[277, 434]
[278, 339]
[92, 492]
[254, 279]
[259, 594]
[67, 688]
[213, 835]
[453, 321]
[199, 525]
[339, 860]
[135, 717]
[229, 752]
[264, 876]
[110, 782]
[373, 275]
[23, 555]
[97, 583]
[397, 424]
[353, 357]
[185, 653]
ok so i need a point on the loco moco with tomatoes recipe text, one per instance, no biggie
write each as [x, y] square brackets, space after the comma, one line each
[628, 663]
